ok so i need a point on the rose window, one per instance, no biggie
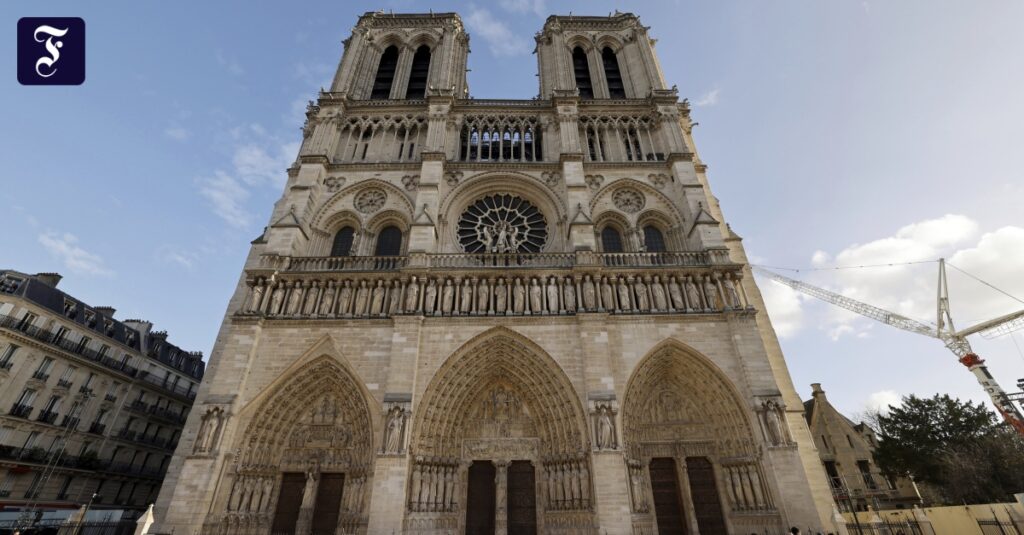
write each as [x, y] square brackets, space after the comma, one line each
[502, 224]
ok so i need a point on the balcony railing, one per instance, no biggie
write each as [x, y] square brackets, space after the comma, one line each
[127, 434]
[49, 338]
[97, 429]
[138, 406]
[64, 383]
[69, 422]
[110, 397]
[6, 365]
[21, 411]
[167, 386]
[42, 376]
[47, 417]
[167, 415]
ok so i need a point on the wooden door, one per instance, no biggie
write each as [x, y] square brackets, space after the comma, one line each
[480, 499]
[328, 503]
[707, 505]
[289, 500]
[668, 508]
[522, 499]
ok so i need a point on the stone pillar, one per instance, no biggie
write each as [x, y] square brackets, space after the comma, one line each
[400, 82]
[689, 511]
[501, 498]
[388, 500]
[611, 492]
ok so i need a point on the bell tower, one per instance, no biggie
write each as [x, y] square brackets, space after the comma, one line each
[602, 57]
[400, 56]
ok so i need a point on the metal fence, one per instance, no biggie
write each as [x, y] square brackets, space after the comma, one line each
[57, 527]
[996, 527]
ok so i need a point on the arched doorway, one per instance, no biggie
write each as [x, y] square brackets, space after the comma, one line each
[694, 465]
[304, 459]
[501, 419]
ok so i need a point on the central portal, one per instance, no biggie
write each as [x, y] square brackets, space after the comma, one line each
[480, 501]
[522, 499]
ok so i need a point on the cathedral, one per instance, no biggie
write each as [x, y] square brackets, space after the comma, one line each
[496, 316]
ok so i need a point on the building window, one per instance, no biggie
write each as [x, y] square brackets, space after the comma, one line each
[5, 432]
[418, 75]
[6, 484]
[44, 366]
[83, 342]
[849, 441]
[28, 396]
[33, 488]
[30, 442]
[654, 240]
[864, 467]
[389, 242]
[612, 74]
[62, 494]
[60, 335]
[833, 475]
[385, 74]
[824, 442]
[5, 360]
[611, 240]
[68, 372]
[26, 321]
[342, 245]
[581, 69]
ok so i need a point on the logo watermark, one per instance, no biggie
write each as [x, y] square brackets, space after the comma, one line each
[51, 51]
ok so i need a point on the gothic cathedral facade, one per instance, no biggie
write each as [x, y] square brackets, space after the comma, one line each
[496, 316]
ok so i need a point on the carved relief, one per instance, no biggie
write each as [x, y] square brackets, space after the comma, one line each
[452, 178]
[602, 415]
[659, 180]
[333, 184]
[594, 181]
[628, 200]
[396, 422]
[370, 200]
[211, 427]
[411, 182]
[772, 415]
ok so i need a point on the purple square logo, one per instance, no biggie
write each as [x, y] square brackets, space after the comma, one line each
[51, 51]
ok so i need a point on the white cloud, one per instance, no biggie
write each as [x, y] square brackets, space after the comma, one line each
[784, 308]
[230, 64]
[537, 7]
[881, 400]
[185, 259]
[910, 289]
[177, 133]
[499, 38]
[64, 246]
[226, 195]
[708, 99]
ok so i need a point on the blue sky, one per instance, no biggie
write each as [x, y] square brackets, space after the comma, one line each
[836, 133]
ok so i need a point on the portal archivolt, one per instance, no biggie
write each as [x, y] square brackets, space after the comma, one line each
[308, 447]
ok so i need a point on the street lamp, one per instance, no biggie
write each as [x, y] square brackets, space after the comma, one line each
[85, 514]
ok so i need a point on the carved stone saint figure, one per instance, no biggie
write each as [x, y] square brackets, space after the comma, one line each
[377, 302]
[773, 423]
[693, 300]
[676, 293]
[294, 298]
[311, 297]
[394, 298]
[447, 296]
[362, 298]
[393, 431]
[412, 295]
[605, 428]
[536, 297]
[327, 302]
[501, 297]
[256, 299]
[731, 295]
[711, 293]
[607, 296]
[658, 295]
[465, 297]
[430, 297]
[589, 295]
[552, 295]
[483, 296]
[640, 290]
[518, 297]
[569, 295]
[345, 299]
[624, 303]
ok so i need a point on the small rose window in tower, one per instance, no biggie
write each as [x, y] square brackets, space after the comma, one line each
[502, 223]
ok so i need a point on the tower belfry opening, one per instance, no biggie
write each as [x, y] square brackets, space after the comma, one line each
[496, 316]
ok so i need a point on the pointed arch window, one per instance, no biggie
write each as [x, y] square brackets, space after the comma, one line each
[385, 74]
[611, 240]
[418, 75]
[581, 69]
[612, 73]
[342, 245]
[654, 240]
[389, 242]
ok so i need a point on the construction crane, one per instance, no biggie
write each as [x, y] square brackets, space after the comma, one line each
[955, 341]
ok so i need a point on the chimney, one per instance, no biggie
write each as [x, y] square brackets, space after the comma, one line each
[108, 312]
[816, 390]
[49, 279]
[142, 326]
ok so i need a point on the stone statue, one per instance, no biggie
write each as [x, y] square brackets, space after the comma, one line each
[731, 295]
[773, 423]
[693, 299]
[658, 295]
[607, 295]
[569, 295]
[676, 293]
[393, 431]
[518, 297]
[640, 290]
[377, 301]
[589, 295]
[345, 299]
[327, 301]
[465, 297]
[394, 298]
[552, 295]
[412, 295]
[311, 296]
[294, 295]
[308, 493]
[536, 297]
[362, 298]
[500, 297]
[447, 297]
[605, 428]
[256, 299]
[430, 297]
[624, 295]
[711, 293]
[483, 296]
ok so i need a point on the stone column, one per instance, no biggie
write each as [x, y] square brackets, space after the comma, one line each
[689, 511]
[501, 498]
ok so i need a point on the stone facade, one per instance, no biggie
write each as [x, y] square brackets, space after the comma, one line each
[501, 316]
[92, 405]
[847, 453]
